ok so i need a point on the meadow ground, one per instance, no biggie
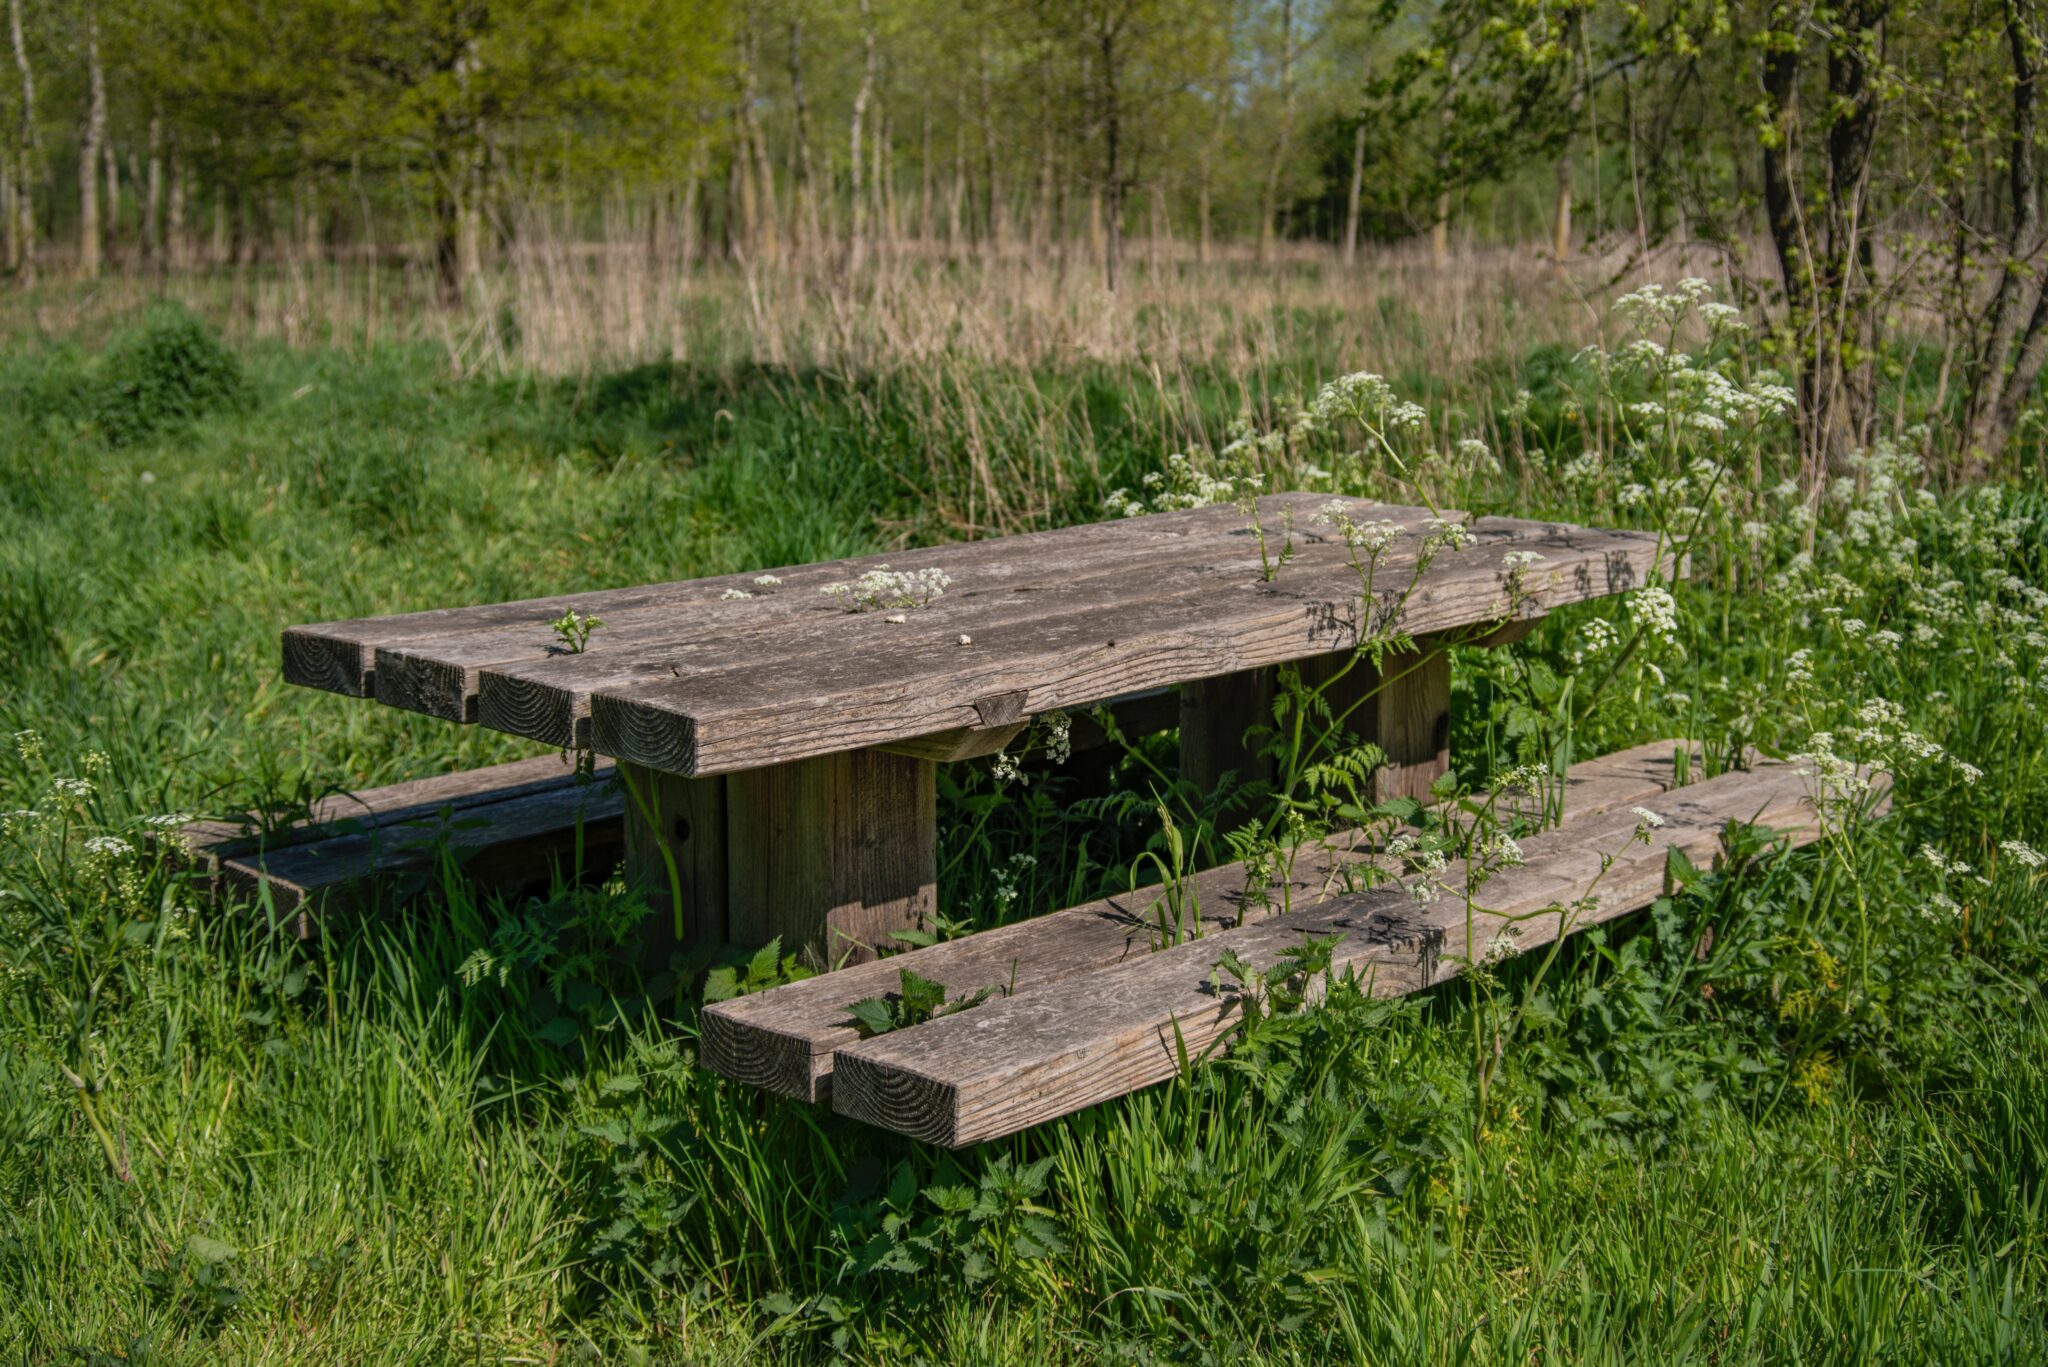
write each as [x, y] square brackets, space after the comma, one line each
[1817, 1133]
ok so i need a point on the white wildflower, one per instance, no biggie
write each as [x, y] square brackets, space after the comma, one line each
[1655, 612]
[2023, 854]
[732, 594]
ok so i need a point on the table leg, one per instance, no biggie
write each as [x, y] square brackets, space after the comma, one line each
[1409, 716]
[675, 850]
[1215, 713]
[832, 853]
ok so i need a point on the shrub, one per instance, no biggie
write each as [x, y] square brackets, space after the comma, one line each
[170, 371]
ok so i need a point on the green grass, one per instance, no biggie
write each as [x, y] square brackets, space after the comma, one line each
[1821, 1138]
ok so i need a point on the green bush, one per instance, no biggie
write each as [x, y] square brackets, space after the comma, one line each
[168, 372]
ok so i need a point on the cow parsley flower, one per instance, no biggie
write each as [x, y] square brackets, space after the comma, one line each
[1655, 612]
[882, 587]
[109, 847]
[2023, 854]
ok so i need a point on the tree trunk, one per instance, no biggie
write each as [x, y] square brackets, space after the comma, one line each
[992, 186]
[1351, 202]
[110, 213]
[177, 247]
[89, 145]
[1561, 217]
[27, 147]
[924, 174]
[2000, 380]
[957, 196]
[1112, 147]
[856, 241]
[804, 221]
[1269, 207]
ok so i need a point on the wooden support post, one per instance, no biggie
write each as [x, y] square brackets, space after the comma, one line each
[1409, 716]
[832, 853]
[1215, 713]
[671, 817]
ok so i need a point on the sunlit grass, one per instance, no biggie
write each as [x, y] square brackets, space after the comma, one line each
[217, 1145]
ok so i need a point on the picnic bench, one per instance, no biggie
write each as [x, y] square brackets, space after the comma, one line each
[777, 734]
[778, 745]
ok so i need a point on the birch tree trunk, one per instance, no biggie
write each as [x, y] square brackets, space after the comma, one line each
[89, 152]
[110, 211]
[1269, 208]
[149, 239]
[177, 247]
[27, 146]
[856, 242]
[1351, 202]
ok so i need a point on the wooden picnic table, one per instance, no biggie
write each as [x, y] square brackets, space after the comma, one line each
[780, 746]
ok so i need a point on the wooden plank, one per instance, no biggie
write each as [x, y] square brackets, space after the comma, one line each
[1218, 717]
[783, 1040]
[675, 852]
[832, 853]
[502, 842]
[425, 647]
[547, 697]
[442, 675]
[1019, 1061]
[1404, 707]
[966, 742]
[833, 696]
[203, 844]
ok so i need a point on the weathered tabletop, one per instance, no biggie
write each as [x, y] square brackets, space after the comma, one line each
[786, 741]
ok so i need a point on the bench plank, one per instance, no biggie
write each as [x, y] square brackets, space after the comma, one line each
[833, 694]
[548, 698]
[441, 675]
[341, 656]
[1016, 1062]
[505, 836]
[203, 844]
[783, 1040]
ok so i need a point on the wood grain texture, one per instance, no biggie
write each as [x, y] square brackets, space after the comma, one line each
[783, 1040]
[203, 844]
[430, 658]
[547, 697]
[1017, 1062]
[966, 742]
[1218, 717]
[831, 854]
[512, 841]
[675, 852]
[832, 696]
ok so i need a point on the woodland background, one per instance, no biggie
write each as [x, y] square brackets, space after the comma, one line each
[1863, 176]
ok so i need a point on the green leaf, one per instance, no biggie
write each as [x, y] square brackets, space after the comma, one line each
[1680, 870]
[721, 985]
[873, 1016]
[560, 1031]
[203, 1249]
[921, 997]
